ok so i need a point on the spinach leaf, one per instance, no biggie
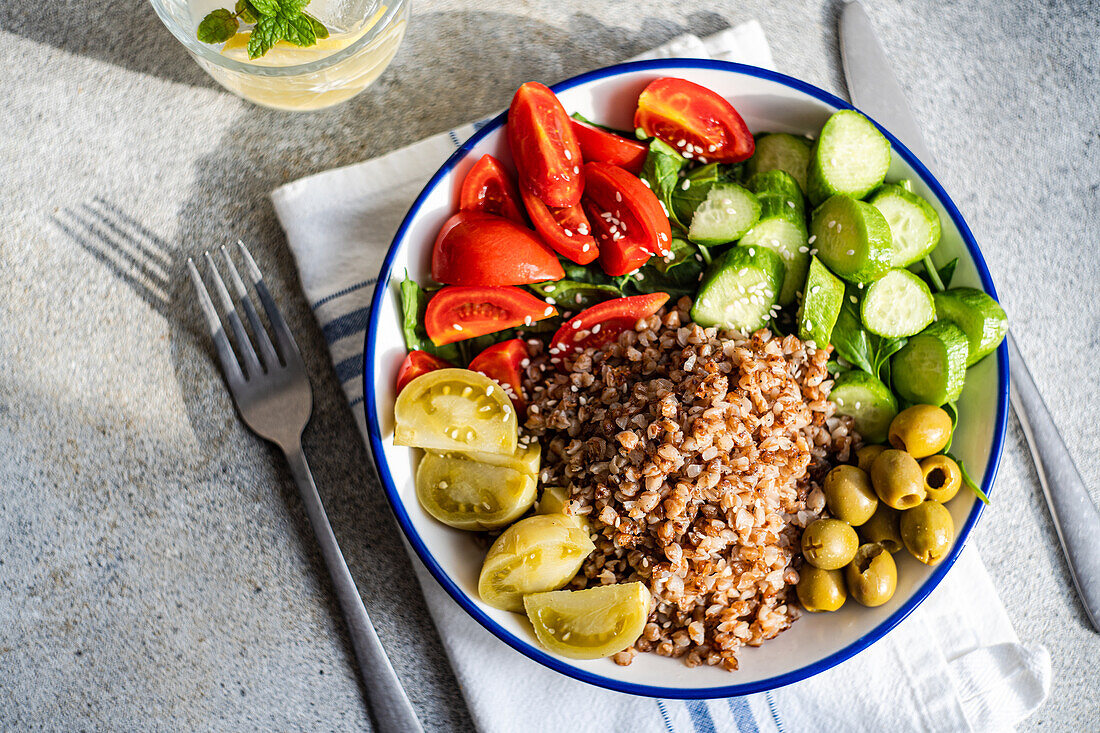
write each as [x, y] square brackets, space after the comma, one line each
[590, 274]
[953, 410]
[677, 276]
[661, 171]
[414, 301]
[573, 294]
[970, 483]
[883, 349]
[851, 341]
[692, 191]
[944, 274]
[605, 128]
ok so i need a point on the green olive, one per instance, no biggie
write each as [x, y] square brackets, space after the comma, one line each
[927, 531]
[920, 430]
[897, 479]
[820, 590]
[866, 455]
[849, 495]
[829, 544]
[942, 478]
[882, 528]
[872, 575]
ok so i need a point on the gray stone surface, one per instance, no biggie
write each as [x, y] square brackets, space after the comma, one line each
[156, 571]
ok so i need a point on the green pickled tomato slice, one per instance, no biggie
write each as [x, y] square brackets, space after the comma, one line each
[455, 410]
[472, 495]
[536, 554]
[592, 623]
[527, 458]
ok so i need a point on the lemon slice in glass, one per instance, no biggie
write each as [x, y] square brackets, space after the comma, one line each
[287, 54]
[592, 623]
[539, 553]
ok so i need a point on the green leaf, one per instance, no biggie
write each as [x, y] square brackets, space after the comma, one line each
[299, 31]
[698, 184]
[246, 12]
[265, 7]
[217, 27]
[951, 409]
[414, 301]
[585, 273]
[319, 29]
[661, 171]
[850, 339]
[944, 274]
[970, 483]
[292, 8]
[883, 349]
[269, 30]
[574, 295]
[678, 276]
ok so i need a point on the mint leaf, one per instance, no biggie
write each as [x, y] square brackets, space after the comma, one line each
[319, 29]
[217, 27]
[299, 30]
[266, 7]
[246, 12]
[292, 8]
[269, 30]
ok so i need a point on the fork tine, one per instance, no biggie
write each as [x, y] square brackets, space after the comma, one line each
[252, 366]
[267, 350]
[287, 346]
[228, 359]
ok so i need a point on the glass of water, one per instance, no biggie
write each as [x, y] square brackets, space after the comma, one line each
[363, 38]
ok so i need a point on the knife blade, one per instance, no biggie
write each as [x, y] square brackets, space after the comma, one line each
[873, 88]
[872, 85]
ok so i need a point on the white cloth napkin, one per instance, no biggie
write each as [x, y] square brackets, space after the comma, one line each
[955, 664]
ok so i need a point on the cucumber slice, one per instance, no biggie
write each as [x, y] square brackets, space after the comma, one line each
[821, 303]
[780, 151]
[930, 369]
[868, 401]
[914, 224]
[852, 238]
[978, 316]
[727, 213]
[782, 227]
[850, 156]
[739, 289]
[897, 304]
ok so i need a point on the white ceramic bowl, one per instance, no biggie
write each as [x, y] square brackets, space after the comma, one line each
[768, 102]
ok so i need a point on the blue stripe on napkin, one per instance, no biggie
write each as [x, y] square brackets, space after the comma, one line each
[742, 715]
[700, 716]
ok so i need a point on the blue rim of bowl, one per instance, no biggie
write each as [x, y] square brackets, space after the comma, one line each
[527, 648]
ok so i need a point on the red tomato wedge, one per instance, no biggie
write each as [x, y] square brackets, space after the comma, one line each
[607, 147]
[456, 313]
[475, 248]
[490, 188]
[603, 322]
[566, 230]
[544, 148]
[628, 220]
[417, 363]
[700, 123]
[504, 364]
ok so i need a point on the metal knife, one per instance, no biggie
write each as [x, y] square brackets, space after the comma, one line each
[874, 90]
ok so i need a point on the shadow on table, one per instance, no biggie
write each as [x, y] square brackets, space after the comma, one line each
[452, 68]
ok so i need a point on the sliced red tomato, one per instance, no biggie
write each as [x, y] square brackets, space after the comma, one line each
[504, 364]
[603, 322]
[490, 188]
[475, 248]
[628, 220]
[566, 230]
[607, 147]
[544, 148]
[417, 363]
[700, 123]
[456, 313]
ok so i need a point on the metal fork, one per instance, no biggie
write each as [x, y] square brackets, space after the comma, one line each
[274, 399]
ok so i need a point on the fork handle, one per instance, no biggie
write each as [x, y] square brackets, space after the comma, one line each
[390, 706]
[1075, 516]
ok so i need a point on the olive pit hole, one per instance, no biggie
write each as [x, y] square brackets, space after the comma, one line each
[936, 478]
[908, 501]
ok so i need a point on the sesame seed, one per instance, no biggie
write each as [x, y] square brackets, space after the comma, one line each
[731, 211]
[568, 154]
[803, 250]
[489, 391]
[685, 185]
[851, 252]
[576, 324]
[698, 256]
[838, 228]
[813, 251]
[812, 239]
[752, 251]
[644, 181]
[527, 321]
[551, 301]
[681, 144]
[859, 285]
[858, 404]
[853, 298]
[577, 298]
[711, 148]
[456, 326]
[618, 197]
[549, 310]
[583, 229]
[641, 276]
[791, 204]
[596, 328]
[576, 169]
[814, 289]
[568, 232]
[689, 156]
